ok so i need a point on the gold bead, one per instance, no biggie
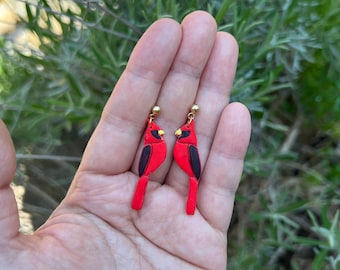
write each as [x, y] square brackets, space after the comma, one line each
[195, 108]
[156, 110]
[178, 132]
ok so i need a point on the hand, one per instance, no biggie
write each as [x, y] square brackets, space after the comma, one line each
[173, 65]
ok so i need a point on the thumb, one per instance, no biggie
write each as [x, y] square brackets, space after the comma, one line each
[9, 219]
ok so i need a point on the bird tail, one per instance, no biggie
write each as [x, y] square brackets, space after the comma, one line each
[138, 198]
[192, 194]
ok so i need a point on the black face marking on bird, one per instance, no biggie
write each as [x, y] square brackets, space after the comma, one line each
[155, 133]
[184, 134]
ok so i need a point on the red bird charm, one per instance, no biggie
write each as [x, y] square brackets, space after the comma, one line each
[153, 155]
[187, 157]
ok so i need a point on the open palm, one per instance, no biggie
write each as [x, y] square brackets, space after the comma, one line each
[173, 65]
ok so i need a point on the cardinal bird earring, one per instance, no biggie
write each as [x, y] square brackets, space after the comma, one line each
[187, 157]
[153, 155]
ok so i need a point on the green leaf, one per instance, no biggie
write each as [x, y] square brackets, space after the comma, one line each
[222, 11]
[292, 207]
[319, 261]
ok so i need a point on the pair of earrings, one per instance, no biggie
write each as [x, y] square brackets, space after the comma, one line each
[154, 153]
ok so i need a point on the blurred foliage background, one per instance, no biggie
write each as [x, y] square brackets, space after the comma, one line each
[55, 81]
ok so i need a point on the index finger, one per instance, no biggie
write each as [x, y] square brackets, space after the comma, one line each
[112, 147]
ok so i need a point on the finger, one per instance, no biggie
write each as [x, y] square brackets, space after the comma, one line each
[224, 166]
[214, 91]
[9, 218]
[212, 97]
[180, 86]
[112, 147]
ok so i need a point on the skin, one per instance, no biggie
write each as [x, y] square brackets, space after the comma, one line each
[173, 65]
